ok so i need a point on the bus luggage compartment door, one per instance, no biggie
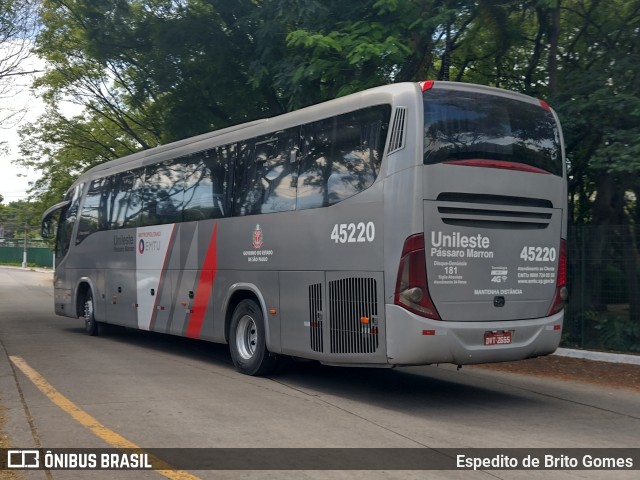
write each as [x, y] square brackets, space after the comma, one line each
[336, 317]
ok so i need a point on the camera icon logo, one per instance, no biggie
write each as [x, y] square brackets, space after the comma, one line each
[23, 458]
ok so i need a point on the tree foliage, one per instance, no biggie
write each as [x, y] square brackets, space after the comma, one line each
[18, 21]
[19, 217]
[147, 72]
[598, 99]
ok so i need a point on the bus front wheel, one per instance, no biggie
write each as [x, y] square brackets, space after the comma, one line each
[247, 340]
[91, 326]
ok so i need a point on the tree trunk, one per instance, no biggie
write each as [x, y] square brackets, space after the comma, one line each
[603, 212]
[446, 56]
[630, 253]
[554, 36]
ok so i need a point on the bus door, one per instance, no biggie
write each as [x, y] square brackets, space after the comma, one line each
[124, 208]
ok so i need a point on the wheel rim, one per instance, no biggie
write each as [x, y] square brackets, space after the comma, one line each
[246, 337]
[88, 312]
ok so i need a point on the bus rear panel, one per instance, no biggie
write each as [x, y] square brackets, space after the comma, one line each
[494, 229]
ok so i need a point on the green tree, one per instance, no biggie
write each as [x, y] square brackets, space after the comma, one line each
[144, 73]
[18, 217]
[18, 21]
[147, 72]
[599, 103]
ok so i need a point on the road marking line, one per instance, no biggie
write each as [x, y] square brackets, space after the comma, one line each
[109, 436]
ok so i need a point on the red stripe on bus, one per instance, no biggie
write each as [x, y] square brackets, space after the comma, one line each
[205, 285]
[497, 164]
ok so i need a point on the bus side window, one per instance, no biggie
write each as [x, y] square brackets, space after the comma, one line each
[67, 221]
[206, 183]
[93, 215]
[316, 148]
[357, 154]
[125, 201]
[267, 174]
[163, 194]
[341, 156]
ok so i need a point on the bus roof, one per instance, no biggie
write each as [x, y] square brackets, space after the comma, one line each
[235, 133]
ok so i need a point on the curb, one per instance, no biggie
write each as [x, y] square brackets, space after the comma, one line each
[17, 427]
[32, 269]
[599, 356]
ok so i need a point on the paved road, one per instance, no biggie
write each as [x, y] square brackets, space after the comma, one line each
[158, 391]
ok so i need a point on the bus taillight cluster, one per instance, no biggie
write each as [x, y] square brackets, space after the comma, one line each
[561, 284]
[412, 292]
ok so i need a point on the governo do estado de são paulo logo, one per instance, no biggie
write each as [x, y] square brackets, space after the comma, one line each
[258, 238]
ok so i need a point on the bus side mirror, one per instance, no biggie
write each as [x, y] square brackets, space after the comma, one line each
[46, 228]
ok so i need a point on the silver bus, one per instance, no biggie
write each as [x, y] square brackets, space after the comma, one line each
[410, 224]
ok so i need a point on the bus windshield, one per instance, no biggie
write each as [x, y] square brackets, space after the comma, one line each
[463, 125]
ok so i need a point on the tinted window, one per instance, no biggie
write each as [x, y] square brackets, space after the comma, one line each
[67, 221]
[341, 156]
[206, 183]
[316, 163]
[467, 125]
[267, 174]
[124, 206]
[93, 216]
[163, 194]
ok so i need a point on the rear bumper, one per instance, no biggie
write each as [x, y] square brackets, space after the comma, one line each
[462, 343]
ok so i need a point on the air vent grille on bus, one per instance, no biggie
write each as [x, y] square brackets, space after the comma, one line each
[494, 211]
[396, 142]
[353, 314]
[315, 317]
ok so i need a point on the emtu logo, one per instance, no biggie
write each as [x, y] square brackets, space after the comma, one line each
[141, 246]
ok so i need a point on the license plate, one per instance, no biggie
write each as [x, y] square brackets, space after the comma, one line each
[497, 338]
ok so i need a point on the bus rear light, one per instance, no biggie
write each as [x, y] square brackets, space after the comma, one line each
[426, 85]
[562, 293]
[562, 264]
[544, 105]
[412, 292]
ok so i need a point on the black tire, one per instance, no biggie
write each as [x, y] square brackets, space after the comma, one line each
[247, 340]
[91, 327]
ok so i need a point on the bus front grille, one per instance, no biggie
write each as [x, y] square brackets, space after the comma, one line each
[494, 211]
[353, 315]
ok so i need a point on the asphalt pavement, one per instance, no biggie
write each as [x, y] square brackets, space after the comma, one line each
[162, 391]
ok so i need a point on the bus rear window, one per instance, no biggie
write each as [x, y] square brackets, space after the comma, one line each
[463, 125]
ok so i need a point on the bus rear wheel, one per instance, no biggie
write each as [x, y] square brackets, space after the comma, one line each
[91, 326]
[247, 340]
